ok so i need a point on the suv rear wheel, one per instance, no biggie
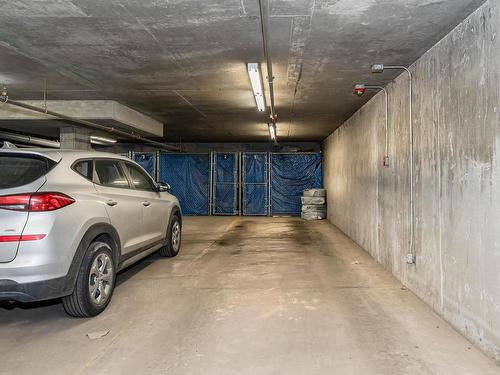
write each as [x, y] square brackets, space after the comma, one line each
[95, 283]
[173, 240]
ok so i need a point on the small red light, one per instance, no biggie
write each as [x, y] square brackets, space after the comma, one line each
[10, 238]
[359, 91]
[32, 237]
[25, 237]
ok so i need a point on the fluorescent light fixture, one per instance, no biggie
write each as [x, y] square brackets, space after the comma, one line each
[272, 131]
[98, 140]
[256, 81]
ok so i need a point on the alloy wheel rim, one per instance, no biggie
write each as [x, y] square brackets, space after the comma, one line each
[101, 279]
[176, 236]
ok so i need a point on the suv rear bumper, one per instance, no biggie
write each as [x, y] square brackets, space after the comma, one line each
[36, 291]
[23, 283]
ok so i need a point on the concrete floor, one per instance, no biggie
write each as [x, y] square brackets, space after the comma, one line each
[246, 296]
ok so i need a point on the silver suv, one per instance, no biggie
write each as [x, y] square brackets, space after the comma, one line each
[70, 220]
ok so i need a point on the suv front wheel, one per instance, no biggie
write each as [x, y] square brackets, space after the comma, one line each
[173, 239]
[95, 282]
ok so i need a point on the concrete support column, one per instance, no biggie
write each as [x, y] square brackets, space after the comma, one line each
[75, 138]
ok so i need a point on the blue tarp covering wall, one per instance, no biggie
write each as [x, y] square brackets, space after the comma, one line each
[147, 160]
[226, 184]
[189, 177]
[255, 184]
[291, 174]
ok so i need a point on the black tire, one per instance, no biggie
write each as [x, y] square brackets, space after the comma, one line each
[172, 247]
[80, 304]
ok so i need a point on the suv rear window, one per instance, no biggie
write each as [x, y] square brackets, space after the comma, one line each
[18, 170]
[84, 168]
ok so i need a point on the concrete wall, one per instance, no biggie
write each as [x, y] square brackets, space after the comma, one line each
[457, 178]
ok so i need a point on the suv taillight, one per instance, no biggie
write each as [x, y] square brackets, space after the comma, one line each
[35, 202]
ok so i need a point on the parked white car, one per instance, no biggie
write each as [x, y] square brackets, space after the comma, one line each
[70, 220]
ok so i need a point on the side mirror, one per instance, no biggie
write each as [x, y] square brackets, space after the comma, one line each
[163, 186]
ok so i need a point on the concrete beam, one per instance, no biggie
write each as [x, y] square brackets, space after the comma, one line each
[107, 112]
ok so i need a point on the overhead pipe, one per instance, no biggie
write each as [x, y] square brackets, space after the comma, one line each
[264, 18]
[29, 140]
[86, 124]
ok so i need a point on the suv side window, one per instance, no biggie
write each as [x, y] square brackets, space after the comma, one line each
[139, 178]
[85, 168]
[110, 173]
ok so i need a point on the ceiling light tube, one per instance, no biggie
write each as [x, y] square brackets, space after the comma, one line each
[272, 131]
[99, 140]
[256, 81]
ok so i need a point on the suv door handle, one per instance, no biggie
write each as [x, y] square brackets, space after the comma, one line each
[146, 204]
[111, 202]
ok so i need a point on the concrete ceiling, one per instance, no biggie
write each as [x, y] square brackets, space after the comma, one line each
[183, 62]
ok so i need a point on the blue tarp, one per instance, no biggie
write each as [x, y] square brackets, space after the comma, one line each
[147, 160]
[291, 175]
[255, 184]
[226, 179]
[189, 177]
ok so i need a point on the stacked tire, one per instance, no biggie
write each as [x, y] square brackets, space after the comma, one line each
[314, 204]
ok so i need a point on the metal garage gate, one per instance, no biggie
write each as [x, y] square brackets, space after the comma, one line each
[248, 183]
[225, 186]
[255, 184]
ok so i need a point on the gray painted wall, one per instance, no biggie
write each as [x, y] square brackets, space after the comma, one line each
[457, 178]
